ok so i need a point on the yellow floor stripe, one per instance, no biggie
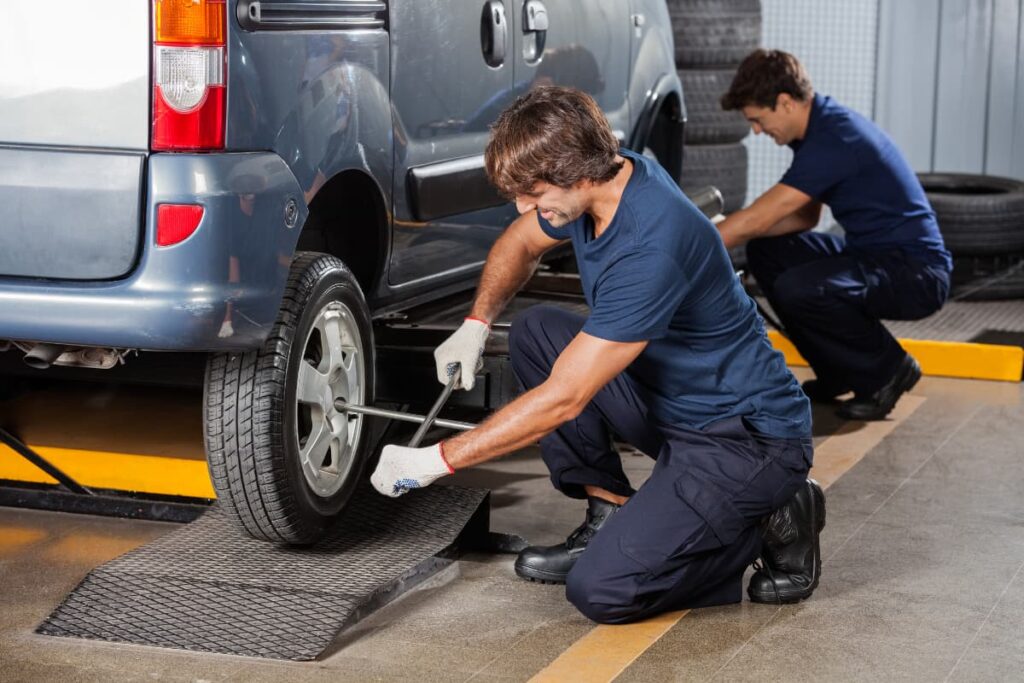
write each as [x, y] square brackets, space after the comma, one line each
[851, 442]
[120, 471]
[606, 651]
[942, 358]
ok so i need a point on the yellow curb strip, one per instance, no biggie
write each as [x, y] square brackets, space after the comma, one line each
[943, 358]
[120, 471]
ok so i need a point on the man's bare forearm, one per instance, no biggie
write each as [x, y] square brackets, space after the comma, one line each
[522, 422]
[509, 266]
[741, 227]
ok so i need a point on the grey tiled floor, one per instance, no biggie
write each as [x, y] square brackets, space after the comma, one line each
[923, 580]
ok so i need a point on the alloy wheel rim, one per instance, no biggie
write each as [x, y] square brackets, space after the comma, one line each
[330, 368]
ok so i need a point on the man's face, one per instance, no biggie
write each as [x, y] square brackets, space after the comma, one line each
[557, 206]
[781, 124]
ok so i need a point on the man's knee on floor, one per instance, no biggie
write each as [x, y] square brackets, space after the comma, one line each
[600, 596]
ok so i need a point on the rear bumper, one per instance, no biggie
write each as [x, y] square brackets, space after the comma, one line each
[219, 290]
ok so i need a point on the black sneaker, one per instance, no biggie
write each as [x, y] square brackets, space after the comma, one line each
[879, 404]
[823, 390]
[551, 564]
[791, 558]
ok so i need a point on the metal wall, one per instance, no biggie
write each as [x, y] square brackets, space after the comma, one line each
[950, 85]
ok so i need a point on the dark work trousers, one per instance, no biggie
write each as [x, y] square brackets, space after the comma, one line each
[831, 300]
[685, 537]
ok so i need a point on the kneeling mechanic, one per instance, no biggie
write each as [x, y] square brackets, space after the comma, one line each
[673, 358]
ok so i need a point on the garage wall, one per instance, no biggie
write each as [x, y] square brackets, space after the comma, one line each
[951, 92]
[945, 78]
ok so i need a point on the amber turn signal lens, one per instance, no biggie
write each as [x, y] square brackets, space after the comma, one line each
[189, 22]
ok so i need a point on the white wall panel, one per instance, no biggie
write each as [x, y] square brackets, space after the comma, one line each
[1004, 136]
[950, 89]
[961, 107]
[907, 71]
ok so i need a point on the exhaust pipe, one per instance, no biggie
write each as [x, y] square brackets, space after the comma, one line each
[42, 355]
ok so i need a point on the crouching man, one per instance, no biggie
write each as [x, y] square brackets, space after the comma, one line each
[673, 358]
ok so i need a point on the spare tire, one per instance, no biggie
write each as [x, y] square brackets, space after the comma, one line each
[706, 123]
[724, 166]
[977, 214]
[714, 32]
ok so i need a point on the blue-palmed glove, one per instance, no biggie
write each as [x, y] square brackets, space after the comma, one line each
[402, 469]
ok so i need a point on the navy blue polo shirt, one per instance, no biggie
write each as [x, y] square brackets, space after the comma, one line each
[850, 164]
[660, 273]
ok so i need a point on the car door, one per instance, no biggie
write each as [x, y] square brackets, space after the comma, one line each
[580, 43]
[451, 71]
[604, 30]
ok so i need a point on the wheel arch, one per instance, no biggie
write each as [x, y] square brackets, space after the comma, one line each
[349, 219]
[661, 124]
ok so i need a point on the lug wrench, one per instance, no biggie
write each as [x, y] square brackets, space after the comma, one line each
[425, 421]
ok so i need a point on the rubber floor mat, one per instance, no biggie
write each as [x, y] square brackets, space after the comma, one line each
[209, 587]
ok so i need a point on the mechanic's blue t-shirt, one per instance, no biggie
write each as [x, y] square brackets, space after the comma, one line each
[660, 273]
[850, 164]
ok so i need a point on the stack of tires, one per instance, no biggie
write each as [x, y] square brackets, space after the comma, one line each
[982, 223]
[711, 38]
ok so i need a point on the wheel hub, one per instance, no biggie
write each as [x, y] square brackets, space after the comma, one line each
[330, 367]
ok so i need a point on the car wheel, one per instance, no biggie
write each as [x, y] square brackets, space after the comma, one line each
[283, 460]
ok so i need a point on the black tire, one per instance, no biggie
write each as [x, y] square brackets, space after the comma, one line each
[714, 32]
[988, 278]
[254, 419]
[706, 123]
[724, 166]
[977, 214]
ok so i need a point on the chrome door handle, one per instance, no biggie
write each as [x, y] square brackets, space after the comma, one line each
[535, 16]
[494, 33]
[535, 30]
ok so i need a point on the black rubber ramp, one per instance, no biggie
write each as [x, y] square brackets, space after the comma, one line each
[207, 587]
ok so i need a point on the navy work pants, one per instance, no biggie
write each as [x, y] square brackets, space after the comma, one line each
[831, 300]
[686, 536]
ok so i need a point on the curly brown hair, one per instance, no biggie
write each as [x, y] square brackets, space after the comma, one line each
[762, 76]
[551, 134]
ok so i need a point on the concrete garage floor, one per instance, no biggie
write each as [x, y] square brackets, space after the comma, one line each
[922, 579]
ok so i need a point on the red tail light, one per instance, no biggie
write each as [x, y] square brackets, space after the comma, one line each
[176, 222]
[189, 74]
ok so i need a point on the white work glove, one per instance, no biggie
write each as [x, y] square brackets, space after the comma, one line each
[464, 348]
[402, 469]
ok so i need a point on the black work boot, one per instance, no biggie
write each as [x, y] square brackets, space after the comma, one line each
[879, 404]
[791, 557]
[551, 564]
[822, 390]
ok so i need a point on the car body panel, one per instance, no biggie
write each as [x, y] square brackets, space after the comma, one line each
[235, 266]
[397, 91]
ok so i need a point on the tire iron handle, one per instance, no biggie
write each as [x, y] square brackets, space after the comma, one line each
[438, 404]
[425, 422]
